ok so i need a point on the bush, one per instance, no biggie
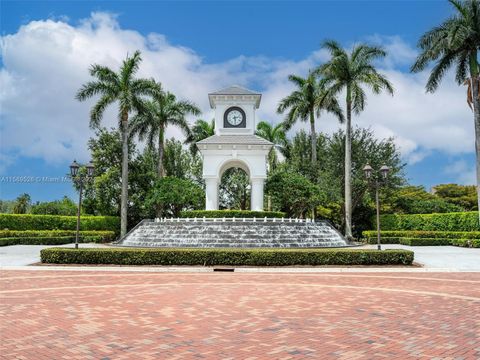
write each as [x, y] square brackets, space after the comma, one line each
[105, 235]
[51, 240]
[231, 257]
[56, 222]
[425, 241]
[231, 214]
[372, 235]
[466, 242]
[458, 221]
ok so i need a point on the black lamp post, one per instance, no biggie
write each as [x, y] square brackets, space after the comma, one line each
[81, 179]
[377, 181]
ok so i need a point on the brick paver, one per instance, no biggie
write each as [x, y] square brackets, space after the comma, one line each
[144, 315]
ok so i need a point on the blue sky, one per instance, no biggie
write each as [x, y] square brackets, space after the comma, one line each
[196, 47]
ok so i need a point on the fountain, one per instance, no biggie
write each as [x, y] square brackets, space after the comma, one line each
[233, 233]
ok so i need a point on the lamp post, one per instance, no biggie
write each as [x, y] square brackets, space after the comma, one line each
[378, 180]
[74, 167]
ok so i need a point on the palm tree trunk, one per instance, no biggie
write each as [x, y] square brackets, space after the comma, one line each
[160, 171]
[348, 168]
[124, 198]
[314, 137]
[476, 112]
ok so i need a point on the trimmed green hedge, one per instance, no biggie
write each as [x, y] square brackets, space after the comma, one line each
[425, 241]
[51, 240]
[231, 214]
[466, 242]
[107, 236]
[233, 257]
[372, 234]
[458, 221]
[57, 222]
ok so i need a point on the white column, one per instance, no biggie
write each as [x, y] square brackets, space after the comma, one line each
[257, 194]
[211, 194]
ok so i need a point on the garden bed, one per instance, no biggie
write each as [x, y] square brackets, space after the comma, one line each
[231, 257]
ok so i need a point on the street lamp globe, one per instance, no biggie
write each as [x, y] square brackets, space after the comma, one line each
[384, 170]
[367, 169]
[74, 168]
[90, 169]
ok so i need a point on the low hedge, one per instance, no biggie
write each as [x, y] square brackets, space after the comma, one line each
[425, 241]
[232, 257]
[457, 221]
[466, 242]
[51, 240]
[107, 236]
[372, 234]
[57, 222]
[231, 214]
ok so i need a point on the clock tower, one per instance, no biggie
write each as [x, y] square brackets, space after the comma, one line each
[234, 144]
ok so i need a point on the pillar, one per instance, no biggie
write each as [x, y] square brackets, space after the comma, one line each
[257, 194]
[211, 194]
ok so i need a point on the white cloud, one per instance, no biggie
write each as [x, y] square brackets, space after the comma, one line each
[463, 172]
[45, 62]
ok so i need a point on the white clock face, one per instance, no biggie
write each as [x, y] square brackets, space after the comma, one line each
[234, 117]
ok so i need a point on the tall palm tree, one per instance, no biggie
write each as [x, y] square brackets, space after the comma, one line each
[309, 99]
[163, 110]
[124, 88]
[274, 134]
[349, 71]
[200, 130]
[456, 42]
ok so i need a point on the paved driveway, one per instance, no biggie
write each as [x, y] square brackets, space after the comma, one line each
[447, 257]
[21, 255]
[139, 315]
[432, 257]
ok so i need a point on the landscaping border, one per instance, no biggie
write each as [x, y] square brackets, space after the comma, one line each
[231, 257]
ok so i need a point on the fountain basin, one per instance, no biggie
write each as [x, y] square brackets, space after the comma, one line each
[233, 233]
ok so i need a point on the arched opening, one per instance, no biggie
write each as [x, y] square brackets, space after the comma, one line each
[234, 190]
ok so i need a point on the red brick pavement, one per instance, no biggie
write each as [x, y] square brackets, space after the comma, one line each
[144, 315]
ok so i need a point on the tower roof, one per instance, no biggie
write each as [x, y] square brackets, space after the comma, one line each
[234, 90]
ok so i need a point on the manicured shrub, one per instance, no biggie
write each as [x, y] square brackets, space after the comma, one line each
[232, 257]
[425, 241]
[466, 242]
[231, 214]
[372, 235]
[51, 240]
[457, 221]
[106, 236]
[56, 222]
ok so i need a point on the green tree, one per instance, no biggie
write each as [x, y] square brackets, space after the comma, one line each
[22, 204]
[293, 193]
[463, 196]
[350, 72]
[180, 163]
[163, 110]
[415, 200]
[310, 98]
[65, 206]
[234, 189]
[127, 91]
[173, 195]
[200, 130]
[455, 43]
[276, 135]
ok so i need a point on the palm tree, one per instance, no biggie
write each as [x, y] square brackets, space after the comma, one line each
[274, 134]
[456, 42]
[200, 130]
[161, 111]
[124, 88]
[306, 102]
[349, 72]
